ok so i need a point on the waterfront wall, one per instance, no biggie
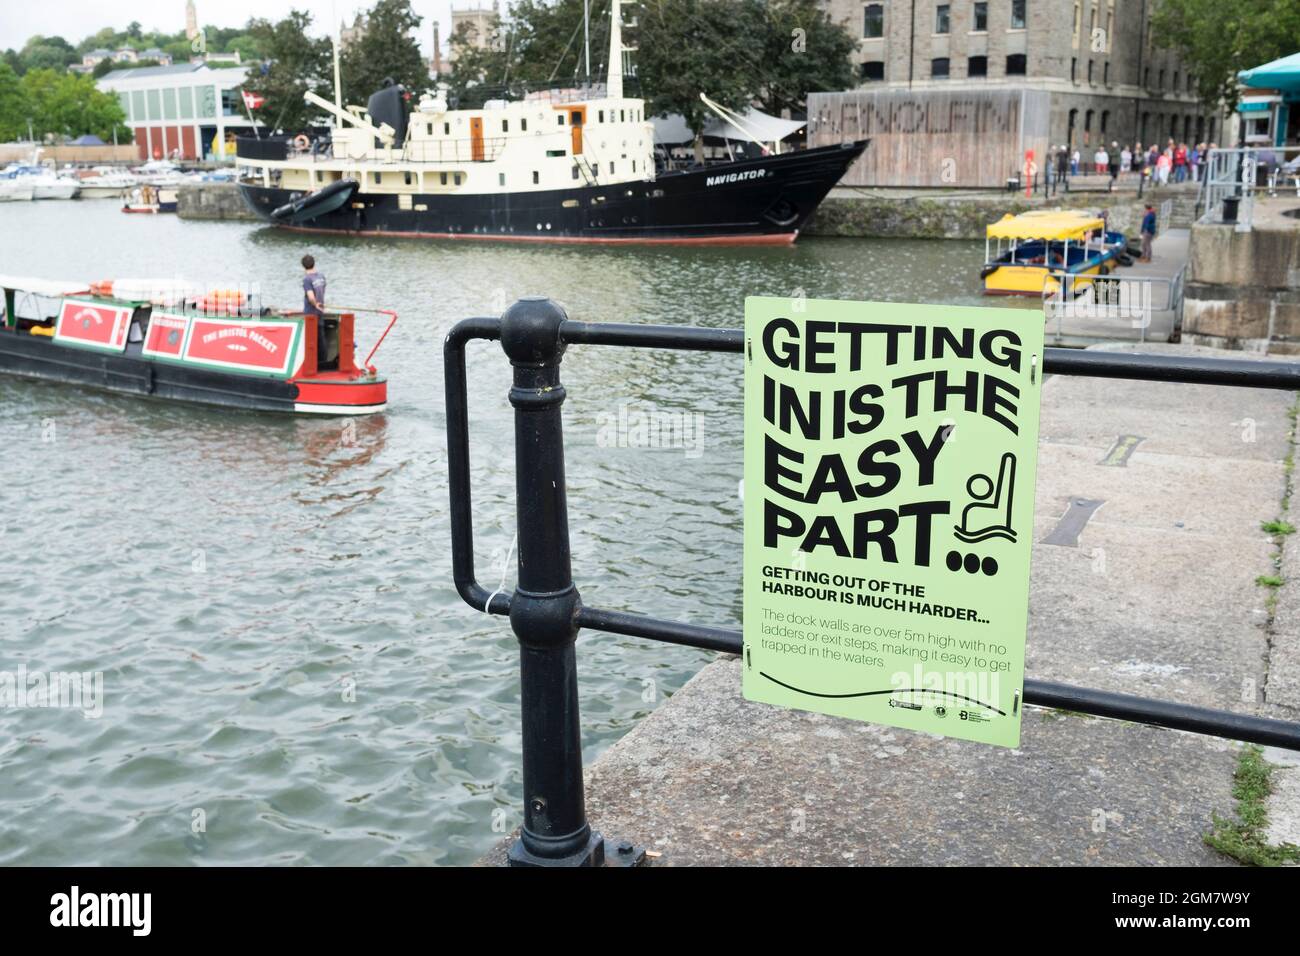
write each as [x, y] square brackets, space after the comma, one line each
[212, 201]
[951, 217]
[1243, 288]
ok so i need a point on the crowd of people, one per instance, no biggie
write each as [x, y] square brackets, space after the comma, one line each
[1175, 162]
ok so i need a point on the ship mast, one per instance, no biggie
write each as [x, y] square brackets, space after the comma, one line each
[614, 82]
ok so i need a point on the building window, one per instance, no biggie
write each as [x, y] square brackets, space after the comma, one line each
[1090, 72]
[1078, 21]
[939, 68]
[1074, 69]
[1175, 87]
[1105, 121]
[1017, 15]
[1105, 73]
[873, 71]
[1162, 79]
[1146, 78]
[1016, 64]
[977, 66]
[873, 21]
[981, 18]
[941, 18]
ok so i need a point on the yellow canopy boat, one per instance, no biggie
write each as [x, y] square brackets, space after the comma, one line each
[1022, 252]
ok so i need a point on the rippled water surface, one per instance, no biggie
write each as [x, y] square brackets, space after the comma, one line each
[289, 676]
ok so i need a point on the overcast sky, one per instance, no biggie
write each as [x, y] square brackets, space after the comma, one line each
[75, 19]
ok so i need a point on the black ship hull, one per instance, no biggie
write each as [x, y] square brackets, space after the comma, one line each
[764, 200]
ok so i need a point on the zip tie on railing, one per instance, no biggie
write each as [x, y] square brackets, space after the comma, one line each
[505, 570]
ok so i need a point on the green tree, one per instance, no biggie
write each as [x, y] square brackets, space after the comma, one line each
[1217, 40]
[14, 107]
[295, 63]
[688, 47]
[69, 104]
[385, 49]
[803, 51]
[47, 53]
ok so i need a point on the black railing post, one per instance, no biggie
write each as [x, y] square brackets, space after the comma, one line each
[543, 610]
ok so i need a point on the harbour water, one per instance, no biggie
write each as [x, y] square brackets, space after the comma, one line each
[288, 675]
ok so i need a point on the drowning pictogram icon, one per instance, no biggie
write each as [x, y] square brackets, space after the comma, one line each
[989, 515]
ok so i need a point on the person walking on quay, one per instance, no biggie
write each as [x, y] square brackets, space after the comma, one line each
[1100, 160]
[1125, 159]
[1062, 162]
[1074, 163]
[1148, 232]
[1180, 163]
[1164, 164]
[1139, 158]
[1193, 157]
[1112, 164]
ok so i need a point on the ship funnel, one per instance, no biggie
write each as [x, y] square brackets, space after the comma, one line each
[614, 83]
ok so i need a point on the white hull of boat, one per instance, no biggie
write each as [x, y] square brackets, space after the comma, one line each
[16, 191]
[55, 190]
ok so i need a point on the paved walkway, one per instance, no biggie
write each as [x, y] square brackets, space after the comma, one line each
[1158, 598]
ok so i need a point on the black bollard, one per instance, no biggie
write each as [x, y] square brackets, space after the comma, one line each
[543, 609]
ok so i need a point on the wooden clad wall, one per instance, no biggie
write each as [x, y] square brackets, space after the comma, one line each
[946, 138]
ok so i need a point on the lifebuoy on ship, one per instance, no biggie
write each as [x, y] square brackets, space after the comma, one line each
[301, 141]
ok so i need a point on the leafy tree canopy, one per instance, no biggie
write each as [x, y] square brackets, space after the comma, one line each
[1217, 40]
[387, 48]
[294, 64]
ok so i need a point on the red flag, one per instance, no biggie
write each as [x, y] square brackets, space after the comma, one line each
[253, 100]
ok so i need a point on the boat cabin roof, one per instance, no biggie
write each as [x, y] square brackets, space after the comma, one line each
[1059, 224]
[50, 287]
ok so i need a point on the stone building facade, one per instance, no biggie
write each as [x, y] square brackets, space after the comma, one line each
[1108, 81]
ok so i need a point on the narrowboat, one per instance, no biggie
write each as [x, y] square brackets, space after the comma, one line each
[177, 341]
[1023, 253]
[559, 165]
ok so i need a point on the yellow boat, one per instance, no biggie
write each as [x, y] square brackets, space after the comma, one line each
[1023, 254]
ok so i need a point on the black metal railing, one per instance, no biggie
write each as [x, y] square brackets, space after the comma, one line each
[546, 611]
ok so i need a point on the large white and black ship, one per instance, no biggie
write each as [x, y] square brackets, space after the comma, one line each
[575, 165]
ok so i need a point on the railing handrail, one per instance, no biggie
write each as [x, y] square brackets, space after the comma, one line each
[546, 614]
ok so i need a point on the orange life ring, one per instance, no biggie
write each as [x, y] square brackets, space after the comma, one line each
[301, 141]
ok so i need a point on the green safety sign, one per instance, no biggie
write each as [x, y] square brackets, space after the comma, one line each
[890, 453]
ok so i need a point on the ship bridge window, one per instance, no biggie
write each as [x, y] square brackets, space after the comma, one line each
[378, 178]
[556, 153]
[446, 129]
[501, 179]
[443, 178]
[523, 126]
[611, 167]
[428, 130]
[575, 170]
[505, 126]
[407, 177]
[620, 116]
[600, 117]
[456, 178]
[559, 118]
[536, 177]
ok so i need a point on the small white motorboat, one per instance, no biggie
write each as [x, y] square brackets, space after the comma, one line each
[45, 183]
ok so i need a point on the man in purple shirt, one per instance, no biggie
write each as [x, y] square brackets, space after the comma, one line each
[313, 303]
